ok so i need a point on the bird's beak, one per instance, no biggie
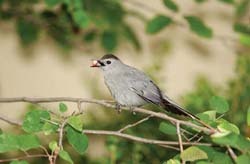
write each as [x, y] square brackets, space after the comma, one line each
[95, 63]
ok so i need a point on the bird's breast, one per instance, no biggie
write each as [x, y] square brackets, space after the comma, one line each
[120, 90]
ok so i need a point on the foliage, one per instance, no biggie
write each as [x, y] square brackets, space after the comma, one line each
[237, 94]
[71, 21]
[104, 21]
[198, 27]
[65, 21]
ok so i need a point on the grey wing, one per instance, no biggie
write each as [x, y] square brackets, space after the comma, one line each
[144, 87]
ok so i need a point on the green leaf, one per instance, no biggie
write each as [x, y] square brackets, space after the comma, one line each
[63, 107]
[193, 153]
[53, 145]
[200, 1]
[89, 36]
[27, 31]
[65, 155]
[208, 116]
[131, 36]
[33, 120]
[231, 139]
[248, 116]
[1, 2]
[157, 24]
[228, 1]
[78, 4]
[76, 122]
[214, 156]
[244, 39]
[197, 26]
[109, 40]
[243, 159]
[172, 161]
[211, 114]
[10, 142]
[78, 140]
[219, 104]
[52, 3]
[242, 7]
[28, 141]
[203, 162]
[49, 128]
[171, 5]
[81, 18]
[242, 28]
[167, 128]
[226, 126]
[19, 162]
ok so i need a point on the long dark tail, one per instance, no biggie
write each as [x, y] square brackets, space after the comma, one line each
[176, 109]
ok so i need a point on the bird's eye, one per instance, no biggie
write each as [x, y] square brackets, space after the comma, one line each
[108, 62]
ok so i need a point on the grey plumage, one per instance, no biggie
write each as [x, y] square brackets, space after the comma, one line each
[132, 88]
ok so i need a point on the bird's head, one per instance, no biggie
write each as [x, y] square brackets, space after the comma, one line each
[107, 62]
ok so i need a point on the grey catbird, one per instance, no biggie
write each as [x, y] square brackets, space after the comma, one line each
[131, 87]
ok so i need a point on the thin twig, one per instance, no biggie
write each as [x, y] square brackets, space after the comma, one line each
[184, 136]
[170, 147]
[24, 157]
[50, 157]
[61, 128]
[231, 153]
[10, 121]
[139, 139]
[134, 124]
[194, 136]
[79, 106]
[49, 121]
[179, 137]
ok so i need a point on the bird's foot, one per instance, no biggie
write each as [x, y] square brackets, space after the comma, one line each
[132, 109]
[118, 108]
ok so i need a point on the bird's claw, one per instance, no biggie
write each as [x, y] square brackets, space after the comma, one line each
[132, 110]
[118, 108]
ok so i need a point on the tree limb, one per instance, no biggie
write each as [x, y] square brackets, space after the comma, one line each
[179, 137]
[139, 139]
[134, 124]
[24, 157]
[107, 104]
[10, 121]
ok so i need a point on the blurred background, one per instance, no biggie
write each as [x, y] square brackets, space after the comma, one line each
[193, 50]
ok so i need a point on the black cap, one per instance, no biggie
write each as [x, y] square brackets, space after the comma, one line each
[110, 56]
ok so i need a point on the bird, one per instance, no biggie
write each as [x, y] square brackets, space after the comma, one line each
[132, 88]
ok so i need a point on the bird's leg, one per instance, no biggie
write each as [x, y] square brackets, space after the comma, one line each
[132, 110]
[118, 108]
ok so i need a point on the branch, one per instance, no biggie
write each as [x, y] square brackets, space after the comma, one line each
[142, 140]
[179, 137]
[231, 153]
[61, 128]
[10, 121]
[134, 124]
[24, 157]
[107, 104]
